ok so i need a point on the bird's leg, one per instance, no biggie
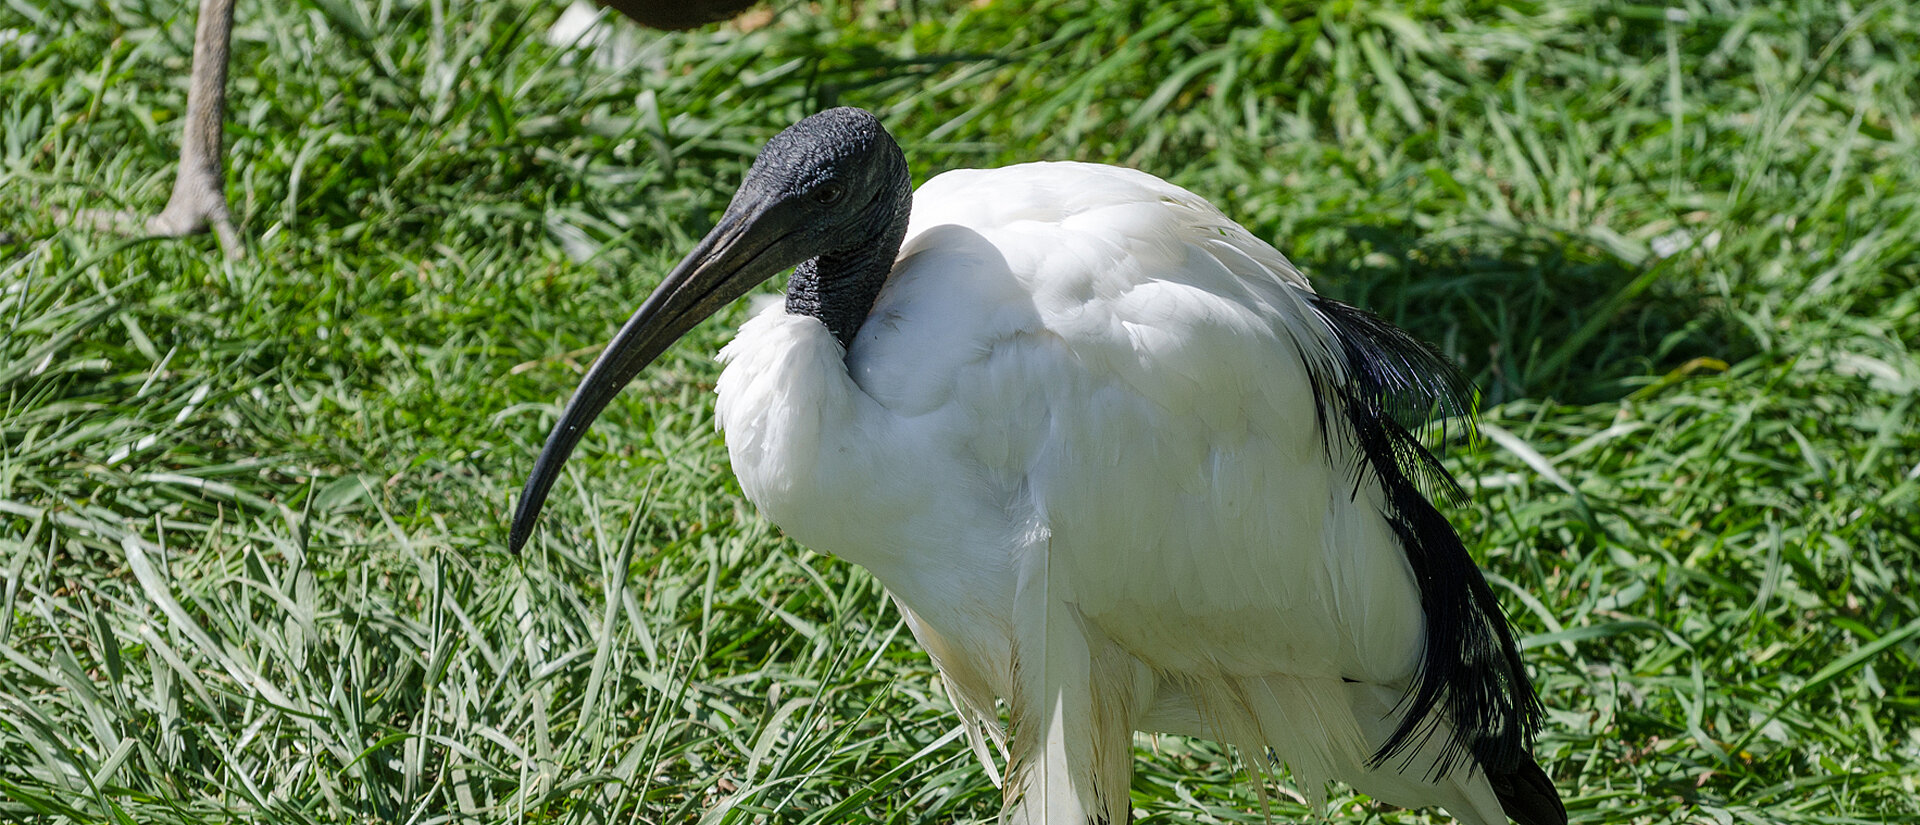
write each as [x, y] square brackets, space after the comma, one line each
[199, 193]
[1077, 695]
[199, 199]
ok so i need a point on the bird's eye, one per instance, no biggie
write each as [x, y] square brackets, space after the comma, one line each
[828, 194]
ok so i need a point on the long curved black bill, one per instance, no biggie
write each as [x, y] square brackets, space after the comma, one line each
[738, 254]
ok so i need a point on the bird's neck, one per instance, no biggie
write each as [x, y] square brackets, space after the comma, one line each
[839, 287]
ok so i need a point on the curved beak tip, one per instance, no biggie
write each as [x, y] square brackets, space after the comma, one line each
[738, 254]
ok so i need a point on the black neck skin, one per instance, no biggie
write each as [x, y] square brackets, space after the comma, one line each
[839, 287]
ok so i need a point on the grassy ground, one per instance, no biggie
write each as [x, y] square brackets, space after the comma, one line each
[252, 513]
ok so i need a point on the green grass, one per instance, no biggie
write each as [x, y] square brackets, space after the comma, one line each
[252, 513]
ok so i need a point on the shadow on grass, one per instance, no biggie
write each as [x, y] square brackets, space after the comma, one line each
[1536, 315]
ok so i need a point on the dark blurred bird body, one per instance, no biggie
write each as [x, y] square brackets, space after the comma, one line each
[677, 16]
[1118, 464]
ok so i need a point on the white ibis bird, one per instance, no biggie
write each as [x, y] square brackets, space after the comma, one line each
[1118, 465]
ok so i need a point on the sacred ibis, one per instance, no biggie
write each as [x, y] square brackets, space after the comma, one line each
[1118, 465]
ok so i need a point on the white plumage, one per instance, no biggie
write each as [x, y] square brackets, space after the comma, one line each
[1083, 438]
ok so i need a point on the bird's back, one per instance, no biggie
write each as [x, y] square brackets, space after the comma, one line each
[1136, 365]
